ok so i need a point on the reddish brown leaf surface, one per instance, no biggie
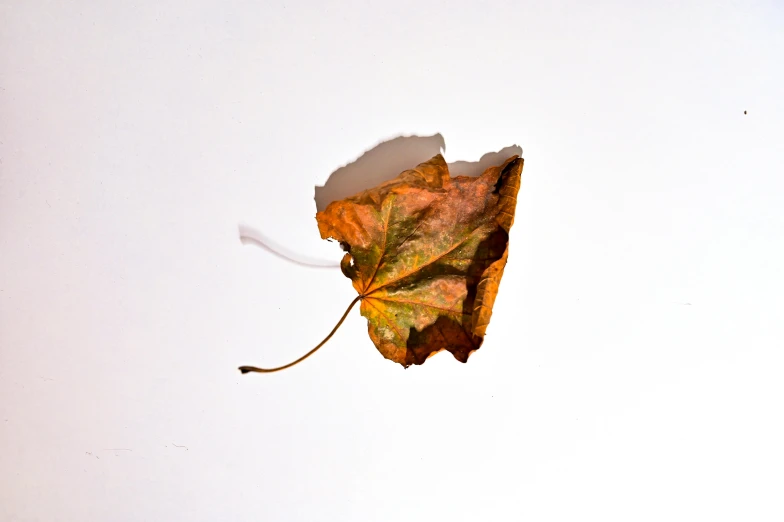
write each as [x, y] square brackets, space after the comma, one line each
[426, 254]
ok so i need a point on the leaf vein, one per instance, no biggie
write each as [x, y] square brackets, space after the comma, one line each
[389, 322]
[420, 303]
[383, 248]
[430, 262]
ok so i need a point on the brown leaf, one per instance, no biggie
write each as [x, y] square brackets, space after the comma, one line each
[426, 254]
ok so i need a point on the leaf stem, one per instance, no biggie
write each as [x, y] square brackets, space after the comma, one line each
[248, 369]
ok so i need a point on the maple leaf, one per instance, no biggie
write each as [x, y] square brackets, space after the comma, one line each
[426, 253]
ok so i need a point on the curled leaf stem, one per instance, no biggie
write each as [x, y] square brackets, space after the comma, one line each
[248, 369]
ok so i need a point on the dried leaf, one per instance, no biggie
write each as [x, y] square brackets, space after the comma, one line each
[426, 253]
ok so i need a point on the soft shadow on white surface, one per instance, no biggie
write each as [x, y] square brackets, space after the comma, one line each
[253, 236]
[389, 158]
[491, 159]
[378, 164]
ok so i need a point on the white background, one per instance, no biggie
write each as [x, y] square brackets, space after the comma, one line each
[633, 367]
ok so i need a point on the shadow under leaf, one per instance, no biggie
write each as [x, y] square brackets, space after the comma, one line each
[386, 160]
